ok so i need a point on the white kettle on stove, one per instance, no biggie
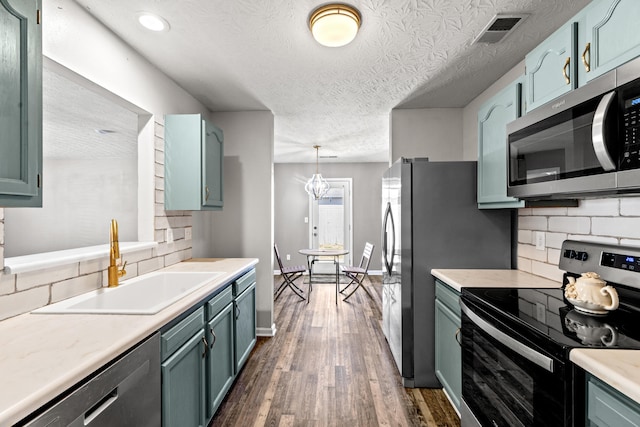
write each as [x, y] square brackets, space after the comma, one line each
[590, 294]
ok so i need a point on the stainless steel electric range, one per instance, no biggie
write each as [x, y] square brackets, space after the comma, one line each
[516, 342]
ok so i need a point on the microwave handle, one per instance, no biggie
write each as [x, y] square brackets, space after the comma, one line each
[513, 344]
[597, 132]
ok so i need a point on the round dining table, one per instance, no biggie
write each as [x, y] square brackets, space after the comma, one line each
[312, 254]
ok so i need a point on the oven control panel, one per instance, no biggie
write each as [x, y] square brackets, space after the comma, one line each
[623, 262]
[614, 263]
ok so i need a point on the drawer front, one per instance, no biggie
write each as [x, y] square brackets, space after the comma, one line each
[219, 302]
[244, 282]
[179, 334]
[447, 296]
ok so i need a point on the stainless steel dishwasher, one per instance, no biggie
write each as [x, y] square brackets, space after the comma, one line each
[126, 393]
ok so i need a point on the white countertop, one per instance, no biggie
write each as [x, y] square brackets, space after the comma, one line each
[618, 368]
[480, 278]
[44, 354]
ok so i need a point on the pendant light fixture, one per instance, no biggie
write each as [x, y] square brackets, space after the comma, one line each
[334, 25]
[317, 186]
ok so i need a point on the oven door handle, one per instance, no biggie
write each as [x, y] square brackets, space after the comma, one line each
[515, 345]
[598, 132]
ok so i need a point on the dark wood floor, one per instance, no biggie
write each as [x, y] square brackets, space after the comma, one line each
[328, 365]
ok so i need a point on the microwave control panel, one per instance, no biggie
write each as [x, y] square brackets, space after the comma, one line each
[630, 156]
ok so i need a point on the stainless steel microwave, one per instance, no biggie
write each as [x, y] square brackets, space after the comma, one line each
[584, 144]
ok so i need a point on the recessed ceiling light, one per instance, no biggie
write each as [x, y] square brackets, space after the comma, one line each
[153, 22]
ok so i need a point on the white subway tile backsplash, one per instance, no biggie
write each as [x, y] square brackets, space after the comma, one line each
[93, 266]
[1, 232]
[549, 211]
[7, 283]
[1, 214]
[530, 252]
[630, 242]
[532, 223]
[159, 157]
[554, 240]
[23, 302]
[596, 207]
[76, 286]
[159, 170]
[553, 256]
[595, 239]
[549, 271]
[134, 257]
[621, 226]
[162, 223]
[630, 206]
[525, 236]
[576, 225]
[150, 265]
[525, 211]
[524, 264]
[33, 279]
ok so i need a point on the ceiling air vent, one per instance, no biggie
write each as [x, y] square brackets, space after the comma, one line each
[499, 27]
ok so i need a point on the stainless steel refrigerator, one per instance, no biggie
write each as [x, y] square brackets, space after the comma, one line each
[431, 220]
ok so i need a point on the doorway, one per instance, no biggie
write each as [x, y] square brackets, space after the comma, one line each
[330, 223]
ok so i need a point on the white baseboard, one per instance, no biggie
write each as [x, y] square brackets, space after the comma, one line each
[266, 332]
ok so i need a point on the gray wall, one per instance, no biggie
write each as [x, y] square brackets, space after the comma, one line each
[292, 205]
[435, 133]
[244, 228]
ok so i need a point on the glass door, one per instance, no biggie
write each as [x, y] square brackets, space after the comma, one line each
[330, 224]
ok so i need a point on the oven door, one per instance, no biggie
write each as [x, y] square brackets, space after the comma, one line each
[506, 381]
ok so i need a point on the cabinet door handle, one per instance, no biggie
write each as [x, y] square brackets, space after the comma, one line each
[206, 347]
[586, 57]
[237, 311]
[206, 189]
[458, 336]
[564, 70]
[214, 337]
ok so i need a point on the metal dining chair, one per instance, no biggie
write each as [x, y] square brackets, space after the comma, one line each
[289, 276]
[358, 273]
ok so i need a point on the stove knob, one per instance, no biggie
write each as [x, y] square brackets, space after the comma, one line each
[584, 256]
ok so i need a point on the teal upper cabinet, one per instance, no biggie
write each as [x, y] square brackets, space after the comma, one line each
[551, 67]
[611, 36]
[493, 117]
[20, 103]
[193, 163]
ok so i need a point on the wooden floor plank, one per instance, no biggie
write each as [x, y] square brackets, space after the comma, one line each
[329, 365]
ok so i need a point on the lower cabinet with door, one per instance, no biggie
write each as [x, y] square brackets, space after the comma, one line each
[203, 353]
[448, 357]
[607, 407]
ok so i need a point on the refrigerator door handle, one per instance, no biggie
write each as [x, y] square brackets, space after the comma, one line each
[388, 263]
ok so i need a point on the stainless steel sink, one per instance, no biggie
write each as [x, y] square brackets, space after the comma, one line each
[147, 294]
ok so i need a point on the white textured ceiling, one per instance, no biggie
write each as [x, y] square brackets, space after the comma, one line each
[259, 54]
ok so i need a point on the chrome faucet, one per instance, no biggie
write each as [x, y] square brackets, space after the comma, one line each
[114, 271]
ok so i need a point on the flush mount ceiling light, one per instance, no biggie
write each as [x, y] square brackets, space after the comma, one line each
[334, 25]
[153, 22]
[317, 186]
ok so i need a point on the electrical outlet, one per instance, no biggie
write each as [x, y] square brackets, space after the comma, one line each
[541, 312]
[169, 235]
[288, 257]
[188, 233]
[306, 220]
[540, 240]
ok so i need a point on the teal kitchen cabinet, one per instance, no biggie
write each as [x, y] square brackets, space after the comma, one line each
[551, 67]
[21, 104]
[611, 36]
[193, 158]
[244, 291]
[203, 353]
[183, 351]
[493, 117]
[447, 346]
[607, 407]
[220, 360]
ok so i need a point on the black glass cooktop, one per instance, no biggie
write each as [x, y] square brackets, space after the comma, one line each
[545, 318]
